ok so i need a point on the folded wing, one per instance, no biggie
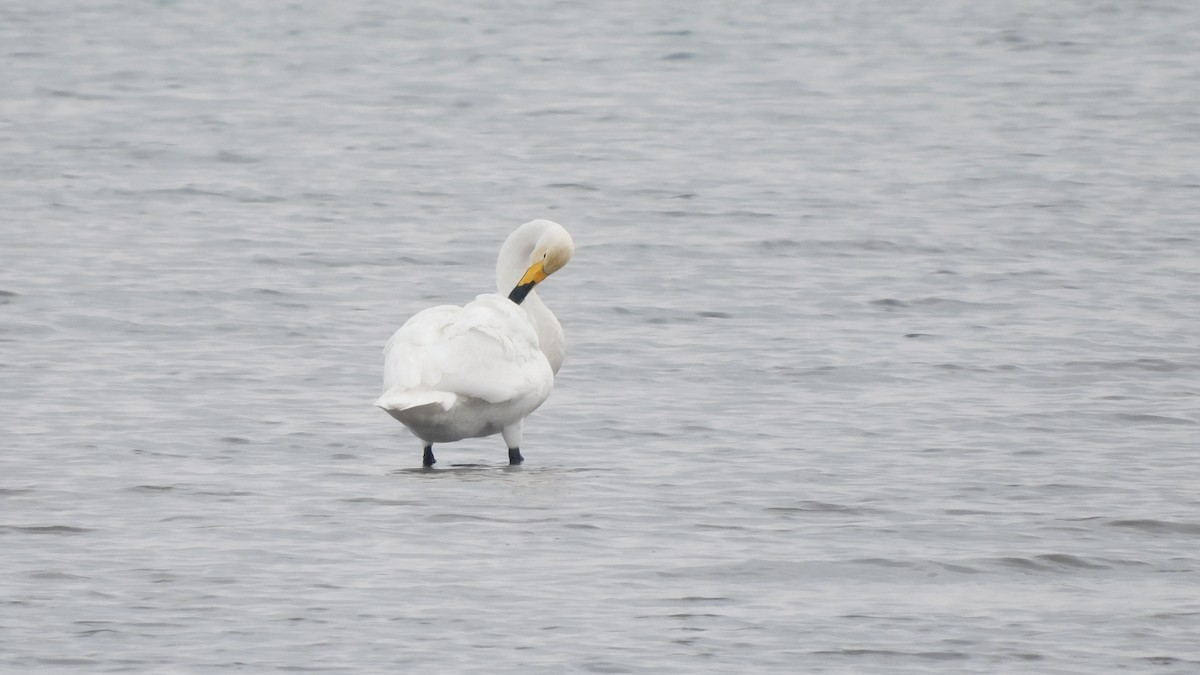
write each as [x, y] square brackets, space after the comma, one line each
[487, 350]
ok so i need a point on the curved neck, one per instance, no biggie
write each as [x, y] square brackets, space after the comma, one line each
[549, 330]
[514, 257]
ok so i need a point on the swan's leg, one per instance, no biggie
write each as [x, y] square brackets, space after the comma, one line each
[512, 438]
[428, 459]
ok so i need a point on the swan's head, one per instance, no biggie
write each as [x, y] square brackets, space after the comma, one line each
[534, 251]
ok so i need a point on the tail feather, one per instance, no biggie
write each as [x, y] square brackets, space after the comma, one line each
[400, 399]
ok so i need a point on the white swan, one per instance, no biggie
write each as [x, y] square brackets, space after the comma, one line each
[463, 372]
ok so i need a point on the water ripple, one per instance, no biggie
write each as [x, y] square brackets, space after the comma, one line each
[43, 529]
[881, 337]
[1157, 526]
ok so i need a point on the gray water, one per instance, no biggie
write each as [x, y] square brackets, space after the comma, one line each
[883, 336]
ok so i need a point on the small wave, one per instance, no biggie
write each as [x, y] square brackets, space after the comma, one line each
[314, 259]
[723, 215]
[662, 315]
[719, 528]
[1059, 562]
[548, 112]
[466, 518]
[43, 529]
[1067, 560]
[154, 453]
[241, 197]
[573, 186]
[932, 656]
[885, 562]
[234, 158]
[1145, 418]
[925, 566]
[1153, 365]
[819, 507]
[846, 247]
[24, 329]
[380, 502]
[66, 93]
[68, 661]
[1027, 564]
[1168, 661]
[1174, 615]
[93, 631]
[956, 366]
[56, 576]
[1156, 526]
[935, 303]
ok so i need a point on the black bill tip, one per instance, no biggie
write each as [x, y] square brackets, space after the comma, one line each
[518, 294]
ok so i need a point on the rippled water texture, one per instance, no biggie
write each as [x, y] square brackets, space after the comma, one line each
[883, 336]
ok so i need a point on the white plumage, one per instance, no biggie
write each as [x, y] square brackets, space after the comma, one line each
[463, 372]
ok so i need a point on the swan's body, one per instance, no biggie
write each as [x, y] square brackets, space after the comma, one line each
[463, 372]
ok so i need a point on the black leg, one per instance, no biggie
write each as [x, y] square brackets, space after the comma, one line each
[428, 459]
[514, 456]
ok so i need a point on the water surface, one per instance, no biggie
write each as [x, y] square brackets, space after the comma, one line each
[883, 350]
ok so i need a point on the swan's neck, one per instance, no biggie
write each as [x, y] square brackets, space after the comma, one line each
[513, 261]
[514, 258]
[549, 330]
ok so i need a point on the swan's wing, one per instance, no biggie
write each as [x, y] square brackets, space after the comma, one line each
[404, 361]
[492, 353]
[404, 354]
[487, 350]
